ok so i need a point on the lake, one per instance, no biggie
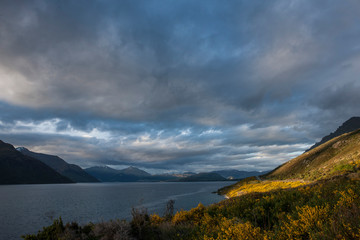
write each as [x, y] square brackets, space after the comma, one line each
[28, 208]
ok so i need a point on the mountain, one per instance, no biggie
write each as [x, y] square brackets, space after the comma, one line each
[71, 171]
[236, 174]
[104, 174]
[122, 177]
[17, 168]
[350, 125]
[135, 172]
[162, 178]
[203, 177]
[338, 155]
[182, 175]
[130, 174]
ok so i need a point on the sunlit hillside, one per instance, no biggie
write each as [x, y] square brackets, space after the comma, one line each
[338, 156]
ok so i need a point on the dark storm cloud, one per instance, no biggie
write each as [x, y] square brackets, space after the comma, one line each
[163, 84]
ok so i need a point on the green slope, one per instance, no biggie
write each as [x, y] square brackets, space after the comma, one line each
[338, 156]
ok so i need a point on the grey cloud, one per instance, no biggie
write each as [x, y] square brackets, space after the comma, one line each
[338, 96]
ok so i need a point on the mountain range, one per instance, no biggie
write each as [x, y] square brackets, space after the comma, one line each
[133, 174]
[17, 168]
[71, 171]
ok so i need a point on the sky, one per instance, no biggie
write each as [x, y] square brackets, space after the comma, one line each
[177, 85]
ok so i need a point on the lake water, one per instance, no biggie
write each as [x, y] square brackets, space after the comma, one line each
[27, 208]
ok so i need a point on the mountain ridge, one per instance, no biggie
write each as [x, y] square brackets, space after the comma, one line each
[135, 171]
[133, 174]
[350, 125]
[71, 171]
[17, 168]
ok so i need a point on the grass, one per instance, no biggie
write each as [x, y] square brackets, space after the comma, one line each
[264, 186]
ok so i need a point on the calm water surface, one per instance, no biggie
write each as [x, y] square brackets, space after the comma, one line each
[27, 208]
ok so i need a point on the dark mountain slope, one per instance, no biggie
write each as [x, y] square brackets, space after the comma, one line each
[71, 171]
[135, 172]
[16, 168]
[104, 174]
[130, 174]
[350, 125]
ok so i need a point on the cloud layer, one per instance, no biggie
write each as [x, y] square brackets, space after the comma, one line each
[177, 85]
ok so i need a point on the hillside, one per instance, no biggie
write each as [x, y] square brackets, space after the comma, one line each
[350, 125]
[71, 171]
[336, 156]
[16, 168]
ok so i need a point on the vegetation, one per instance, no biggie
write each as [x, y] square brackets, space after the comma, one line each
[263, 186]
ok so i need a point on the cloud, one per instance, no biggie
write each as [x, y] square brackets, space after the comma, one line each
[177, 84]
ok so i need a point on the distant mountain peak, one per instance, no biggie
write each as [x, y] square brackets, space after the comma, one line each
[105, 167]
[22, 149]
[108, 174]
[135, 171]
